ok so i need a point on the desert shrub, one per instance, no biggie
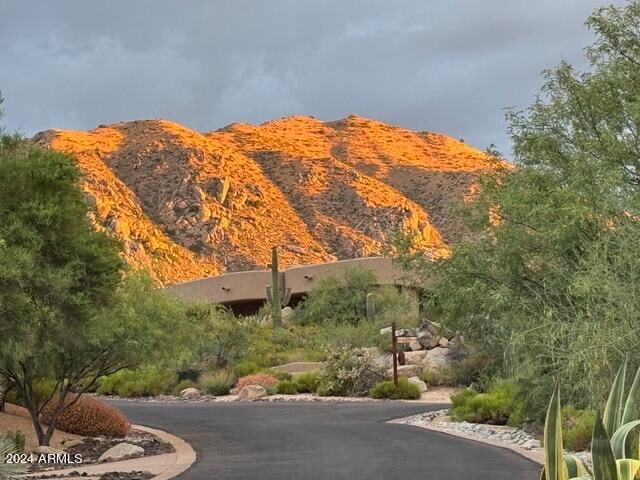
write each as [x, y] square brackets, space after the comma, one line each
[307, 382]
[263, 379]
[577, 428]
[182, 384]
[281, 375]
[143, 382]
[350, 372]
[17, 438]
[88, 416]
[217, 383]
[453, 375]
[287, 387]
[494, 406]
[223, 338]
[244, 368]
[404, 391]
[342, 299]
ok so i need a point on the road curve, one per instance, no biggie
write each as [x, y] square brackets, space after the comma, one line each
[323, 441]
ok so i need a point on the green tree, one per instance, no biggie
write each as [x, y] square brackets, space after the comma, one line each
[548, 279]
[67, 309]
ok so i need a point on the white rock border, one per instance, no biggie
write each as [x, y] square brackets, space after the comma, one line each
[501, 436]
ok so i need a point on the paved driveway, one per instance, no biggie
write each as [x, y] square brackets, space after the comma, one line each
[281, 441]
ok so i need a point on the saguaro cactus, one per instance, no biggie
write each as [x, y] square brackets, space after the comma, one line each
[371, 306]
[277, 297]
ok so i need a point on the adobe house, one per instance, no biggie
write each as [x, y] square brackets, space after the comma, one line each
[245, 292]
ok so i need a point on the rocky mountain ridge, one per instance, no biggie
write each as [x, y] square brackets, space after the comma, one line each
[187, 204]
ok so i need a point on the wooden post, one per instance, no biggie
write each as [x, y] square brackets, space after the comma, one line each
[394, 353]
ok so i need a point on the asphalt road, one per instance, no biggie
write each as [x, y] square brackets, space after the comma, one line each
[309, 441]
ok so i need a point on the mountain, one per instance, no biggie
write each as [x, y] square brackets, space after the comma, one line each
[187, 204]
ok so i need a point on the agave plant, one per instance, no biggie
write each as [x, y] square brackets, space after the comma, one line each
[613, 453]
[9, 471]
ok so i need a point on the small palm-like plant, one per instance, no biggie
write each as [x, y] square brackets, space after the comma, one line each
[9, 471]
[613, 450]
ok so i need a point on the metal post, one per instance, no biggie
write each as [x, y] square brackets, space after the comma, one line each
[394, 353]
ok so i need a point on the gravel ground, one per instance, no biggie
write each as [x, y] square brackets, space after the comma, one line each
[104, 476]
[507, 436]
[91, 448]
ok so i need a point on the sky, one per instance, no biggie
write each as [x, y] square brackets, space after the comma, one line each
[450, 66]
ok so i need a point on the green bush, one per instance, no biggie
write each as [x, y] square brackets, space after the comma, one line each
[307, 382]
[342, 299]
[280, 375]
[143, 382]
[494, 406]
[244, 368]
[217, 383]
[287, 387]
[350, 372]
[404, 391]
[577, 428]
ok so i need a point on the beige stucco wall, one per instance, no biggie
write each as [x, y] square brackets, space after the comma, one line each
[250, 285]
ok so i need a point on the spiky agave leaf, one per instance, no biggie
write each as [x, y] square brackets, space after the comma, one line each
[613, 410]
[9, 471]
[554, 468]
[621, 442]
[575, 468]
[627, 468]
[630, 412]
[604, 463]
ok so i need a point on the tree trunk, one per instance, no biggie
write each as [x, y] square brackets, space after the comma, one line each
[43, 439]
[3, 392]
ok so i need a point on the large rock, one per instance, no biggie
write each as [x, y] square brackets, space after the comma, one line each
[122, 450]
[436, 357]
[287, 315]
[406, 371]
[415, 345]
[190, 393]
[252, 392]
[421, 385]
[414, 358]
[444, 342]
[428, 334]
[45, 450]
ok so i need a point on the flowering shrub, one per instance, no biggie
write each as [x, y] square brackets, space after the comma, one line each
[263, 379]
[350, 372]
[88, 416]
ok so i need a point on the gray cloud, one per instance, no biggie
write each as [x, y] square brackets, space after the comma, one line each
[448, 66]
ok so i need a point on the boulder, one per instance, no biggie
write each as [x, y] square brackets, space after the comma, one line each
[414, 346]
[252, 392]
[45, 450]
[414, 358]
[421, 385]
[122, 450]
[406, 332]
[385, 331]
[190, 393]
[436, 357]
[287, 315]
[443, 342]
[405, 371]
[428, 334]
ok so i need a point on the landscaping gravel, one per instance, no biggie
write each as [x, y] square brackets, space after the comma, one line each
[104, 476]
